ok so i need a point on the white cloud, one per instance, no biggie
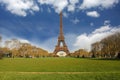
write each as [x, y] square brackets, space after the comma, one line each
[20, 7]
[46, 1]
[72, 5]
[106, 22]
[65, 14]
[73, 2]
[87, 4]
[75, 21]
[58, 5]
[71, 8]
[84, 41]
[24, 41]
[24, 7]
[102, 29]
[93, 14]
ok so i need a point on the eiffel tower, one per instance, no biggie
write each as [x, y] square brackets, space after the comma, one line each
[61, 45]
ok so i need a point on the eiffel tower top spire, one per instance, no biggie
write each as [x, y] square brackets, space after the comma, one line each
[61, 35]
[61, 25]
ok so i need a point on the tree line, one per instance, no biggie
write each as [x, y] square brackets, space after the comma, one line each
[15, 48]
[108, 47]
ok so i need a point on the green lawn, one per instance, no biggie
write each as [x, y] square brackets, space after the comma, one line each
[86, 76]
[48, 68]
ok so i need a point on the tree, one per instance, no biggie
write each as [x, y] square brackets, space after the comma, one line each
[118, 55]
[80, 53]
[15, 48]
[1, 54]
[107, 47]
[96, 49]
[27, 50]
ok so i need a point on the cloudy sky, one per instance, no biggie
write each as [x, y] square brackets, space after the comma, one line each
[37, 21]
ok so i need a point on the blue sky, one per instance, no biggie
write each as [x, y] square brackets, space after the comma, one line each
[37, 21]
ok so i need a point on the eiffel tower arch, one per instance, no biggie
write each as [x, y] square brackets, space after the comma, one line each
[61, 48]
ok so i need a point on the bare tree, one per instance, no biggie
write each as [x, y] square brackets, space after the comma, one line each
[107, 47]
[80, 53]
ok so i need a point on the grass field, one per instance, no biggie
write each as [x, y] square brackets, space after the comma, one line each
[59, 69]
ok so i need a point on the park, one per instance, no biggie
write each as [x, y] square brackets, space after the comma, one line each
[23, 61]
[59, 40]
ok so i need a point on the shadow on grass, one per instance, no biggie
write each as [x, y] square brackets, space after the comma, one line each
[116, 59]
[113, 59]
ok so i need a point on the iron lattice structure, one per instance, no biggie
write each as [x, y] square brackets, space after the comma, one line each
[61, 45]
